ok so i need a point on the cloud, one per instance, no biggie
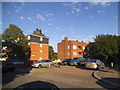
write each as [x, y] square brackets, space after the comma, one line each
[29, 18]
[74, 7]
[45, 16]
[86, 8]
[21, 17]
[100, 11]
[40, 17]
[104, 3]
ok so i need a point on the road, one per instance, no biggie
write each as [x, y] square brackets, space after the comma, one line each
[64, 77]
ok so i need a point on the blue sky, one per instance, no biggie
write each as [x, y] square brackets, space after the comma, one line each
[78, 20]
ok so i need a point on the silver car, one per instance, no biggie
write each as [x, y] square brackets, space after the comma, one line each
[43, 63]
[95, 64]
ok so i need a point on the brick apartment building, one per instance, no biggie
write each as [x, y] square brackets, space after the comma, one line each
[70, 49]
[38, 46]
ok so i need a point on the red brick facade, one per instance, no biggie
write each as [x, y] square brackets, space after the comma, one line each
[38, 51]
[70, 49]
[39, 46]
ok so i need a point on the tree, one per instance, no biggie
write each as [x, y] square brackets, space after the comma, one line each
[16, 42]
[37, 30]
[105, 48]
[118, 55]
[52, 54]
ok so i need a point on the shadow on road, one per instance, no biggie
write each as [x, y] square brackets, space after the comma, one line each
[8, 77]
[83, 67]
[109, 86]
[36, 85]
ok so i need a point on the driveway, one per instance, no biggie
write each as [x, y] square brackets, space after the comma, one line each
[64, 77]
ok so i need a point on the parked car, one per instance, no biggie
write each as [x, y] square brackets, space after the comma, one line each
[76, 60]
[8, 66]
[95, 64]
[43, 63]
[18, 62]
[83, 63]
[66, 62]
[33, 62]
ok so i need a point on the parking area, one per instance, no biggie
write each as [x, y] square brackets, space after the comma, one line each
[63, 77]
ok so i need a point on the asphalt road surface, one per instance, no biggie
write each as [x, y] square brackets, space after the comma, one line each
[63, 77]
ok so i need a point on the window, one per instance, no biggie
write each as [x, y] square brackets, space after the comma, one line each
[40, 58]
[68, 47]
[79, 53]
[48, 61]
[32, 55]
[41, 39]
[28, 37]
[83, 48]
[79, 47]
[68, 53]
[75, 53]
[40, 51]
[74, 47]
[40, 45]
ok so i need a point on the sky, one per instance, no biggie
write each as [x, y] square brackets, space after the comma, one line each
[77, 20]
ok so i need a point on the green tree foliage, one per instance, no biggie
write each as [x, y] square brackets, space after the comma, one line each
[16, 42]
[105, 47]
[37, 30]
[118, 55]
[52, 54]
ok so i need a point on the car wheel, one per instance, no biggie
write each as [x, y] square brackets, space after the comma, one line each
[39, 66]
[98, 67]
[51, 65]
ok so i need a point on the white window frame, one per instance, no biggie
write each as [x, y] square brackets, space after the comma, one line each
[74, 53]
[68, 46]
[40, 58]
[41, 51]
[28, 37]
[41, 39]
[68, 53]
[83, 47]
[74, 47]
[41, 45]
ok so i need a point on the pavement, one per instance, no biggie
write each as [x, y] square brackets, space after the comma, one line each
[109, 76]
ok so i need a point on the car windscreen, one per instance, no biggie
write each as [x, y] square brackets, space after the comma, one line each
[40, 61]
[92, 61]
[76, 58]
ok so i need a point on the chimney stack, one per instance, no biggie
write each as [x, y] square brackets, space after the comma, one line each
[66, 38]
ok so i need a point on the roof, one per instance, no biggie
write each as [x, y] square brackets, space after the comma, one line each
[38, 35]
